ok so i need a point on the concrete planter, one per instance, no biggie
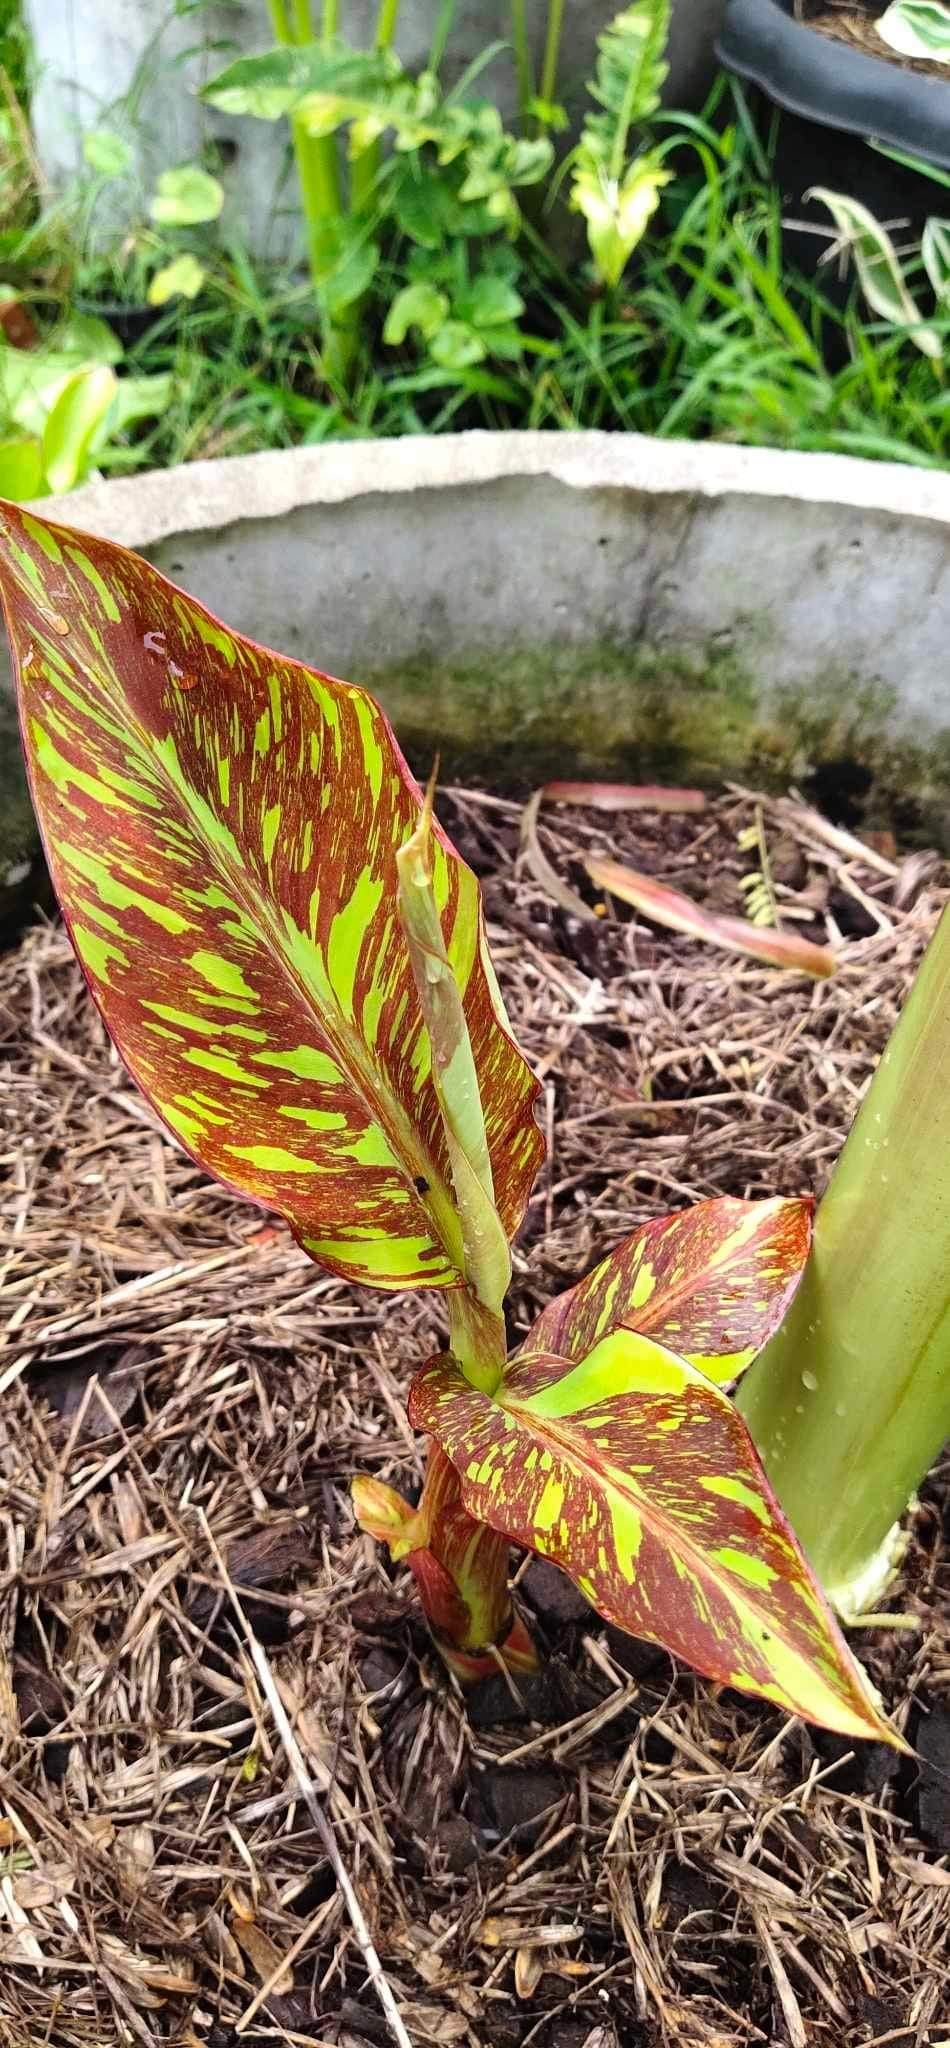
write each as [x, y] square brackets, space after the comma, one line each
[530, 604]
[93, 54]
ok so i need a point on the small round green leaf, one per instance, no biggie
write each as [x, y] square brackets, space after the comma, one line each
[106, 152]
[186, 196]
[181, 279]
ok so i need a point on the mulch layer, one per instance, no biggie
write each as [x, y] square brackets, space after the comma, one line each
[854, 22]
[613, 1855]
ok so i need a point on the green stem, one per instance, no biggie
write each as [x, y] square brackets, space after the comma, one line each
[850, 1404]
[519, 37]
[280, 21]
[552, 50]
[386, 23]
[331, 20]
[460, 1567]
[478, 1339]
[303, 22]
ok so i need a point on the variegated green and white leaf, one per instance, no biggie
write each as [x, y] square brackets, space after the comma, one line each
[712, 1282]
[222, 826]
[879, 268]
[637, 1476]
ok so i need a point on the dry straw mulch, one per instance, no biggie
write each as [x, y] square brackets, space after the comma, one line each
[184, 1399]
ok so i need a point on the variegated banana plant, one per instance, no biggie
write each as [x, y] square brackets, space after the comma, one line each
[290, 957]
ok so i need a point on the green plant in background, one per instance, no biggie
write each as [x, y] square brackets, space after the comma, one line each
[65, 398]
[291, 959]
[453, 176]
[62, 403]
[616, 193]
[885, 275]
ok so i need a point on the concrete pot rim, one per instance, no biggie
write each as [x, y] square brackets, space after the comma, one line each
[198, 497]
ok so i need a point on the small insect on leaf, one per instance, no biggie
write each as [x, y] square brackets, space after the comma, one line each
[635, 1474]
[222, 826]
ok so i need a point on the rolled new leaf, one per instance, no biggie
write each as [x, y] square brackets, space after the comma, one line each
[636, 1475]
[454, 1073]
[678, 912]
[222, 825]
[713, 1283]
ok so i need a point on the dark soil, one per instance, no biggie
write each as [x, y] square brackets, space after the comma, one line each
[611, 1855]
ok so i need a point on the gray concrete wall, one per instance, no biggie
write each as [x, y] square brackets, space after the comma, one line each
[93, 53]
[587, 603]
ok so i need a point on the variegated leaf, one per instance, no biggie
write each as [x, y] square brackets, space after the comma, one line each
[222, 826]
[638, 1477]
[712, 1282]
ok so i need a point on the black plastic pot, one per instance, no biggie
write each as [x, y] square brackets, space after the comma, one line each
[129, 323]
[833, 85]
[833, 99]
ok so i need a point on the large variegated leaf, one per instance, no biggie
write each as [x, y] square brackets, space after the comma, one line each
[638, 1477]
[712, 1282]
[222, 827]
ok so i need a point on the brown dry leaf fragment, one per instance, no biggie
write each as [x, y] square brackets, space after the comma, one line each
[529, 1970]
[265, 1958]
[624, 796]
[678, 912]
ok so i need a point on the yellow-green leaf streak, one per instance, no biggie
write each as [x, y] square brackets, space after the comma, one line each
[635, 1474]
[222, 826]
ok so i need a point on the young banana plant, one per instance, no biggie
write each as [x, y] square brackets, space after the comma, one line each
[290, 957]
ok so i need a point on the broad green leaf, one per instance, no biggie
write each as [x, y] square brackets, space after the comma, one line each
[21, 469]
[326, 87]
[185, 197]
[917, 28]
[935, 251]
[80, 410]
[456, 346]
[712, 1283]
[488, 302]
[879, 268]
[222, 826]
[276, 83]
[139, 398]
[88, 339]
[180, 279]
[417, 305]
[637, 1476]
[352, 269]
[106, 152]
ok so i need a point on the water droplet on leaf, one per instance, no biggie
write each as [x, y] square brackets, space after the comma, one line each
[59, 624]
[809, 1380]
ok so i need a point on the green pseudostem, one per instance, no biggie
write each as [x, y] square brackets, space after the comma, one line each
[449, 1551]
[318, 173]
[850, 1403]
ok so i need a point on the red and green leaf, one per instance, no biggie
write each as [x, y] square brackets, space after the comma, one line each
[678, 913]
[636, 1475]
[222, 825]
[712, 1283]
